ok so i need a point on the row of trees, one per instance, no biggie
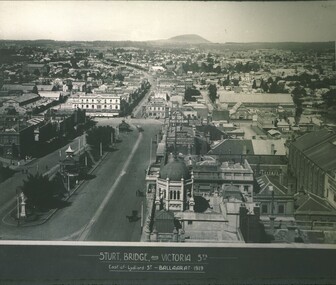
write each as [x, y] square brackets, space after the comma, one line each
[104, 135]
[127, 108]
[270, 85]
[211, 66]
[43, 194]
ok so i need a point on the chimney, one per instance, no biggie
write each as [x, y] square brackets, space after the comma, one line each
[272, 149]
[244, 149]
[208, 137]
[281, 178]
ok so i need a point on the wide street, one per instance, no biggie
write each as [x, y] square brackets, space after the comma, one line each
[101, 203]
[99, 207]
[111, 222]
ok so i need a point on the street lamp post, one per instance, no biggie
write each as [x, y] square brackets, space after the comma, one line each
[272, 217]
[142, 217]
[68, 175]
[18, 191]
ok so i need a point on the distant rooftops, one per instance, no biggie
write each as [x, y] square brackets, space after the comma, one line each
[255, 98]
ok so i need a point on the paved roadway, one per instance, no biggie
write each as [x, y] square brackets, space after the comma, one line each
[112, 178]
[110, 219]
[99, 208]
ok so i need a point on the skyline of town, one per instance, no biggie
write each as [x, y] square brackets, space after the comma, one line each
[144, 21]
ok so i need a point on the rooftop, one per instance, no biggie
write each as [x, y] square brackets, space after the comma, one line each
[255, 98]
[319, 147]
[175, 170]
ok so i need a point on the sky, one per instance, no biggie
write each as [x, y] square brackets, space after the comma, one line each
[217, 22]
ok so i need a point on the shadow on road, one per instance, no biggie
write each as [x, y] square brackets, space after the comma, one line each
[89, 176]
[60, 204]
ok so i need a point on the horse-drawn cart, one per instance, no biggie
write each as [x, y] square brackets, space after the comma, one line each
[134, 217]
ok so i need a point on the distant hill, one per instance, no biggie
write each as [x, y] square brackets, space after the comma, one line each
[189, 39]
[183, 41]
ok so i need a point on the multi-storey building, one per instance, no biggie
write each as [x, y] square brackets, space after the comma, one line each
[273, 197]
[211, 176]
[311, 157]
[96, 105]
[17, 141]
[157, 108]
[331, 188]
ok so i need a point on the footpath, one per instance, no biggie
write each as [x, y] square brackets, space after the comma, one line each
[42, 217]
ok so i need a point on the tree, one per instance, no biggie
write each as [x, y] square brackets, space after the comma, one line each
[35, 90]
[212, 92]
[264, 85]
[297, 95]
[37, 72]
[330, 98]
[5, 172]
[39, 191]
[119, 77]
[73, 63]
[254, 84]
[274, 87]
[190, 93]
[98, 135]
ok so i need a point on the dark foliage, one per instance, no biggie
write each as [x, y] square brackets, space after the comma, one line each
[5, 173]
[97, 135]
[212, 92]
[190, 93]
[39, 191]
[330, 98]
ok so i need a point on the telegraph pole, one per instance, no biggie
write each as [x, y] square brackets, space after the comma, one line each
[142, 216]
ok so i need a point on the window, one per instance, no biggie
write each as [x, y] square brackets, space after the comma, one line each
[264, 209]
[189, 222]
[281, 209]
[87, 106]
[92, 106]
[98, 106]
[246, 188]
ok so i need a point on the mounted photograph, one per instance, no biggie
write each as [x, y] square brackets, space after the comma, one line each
[149, 138]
